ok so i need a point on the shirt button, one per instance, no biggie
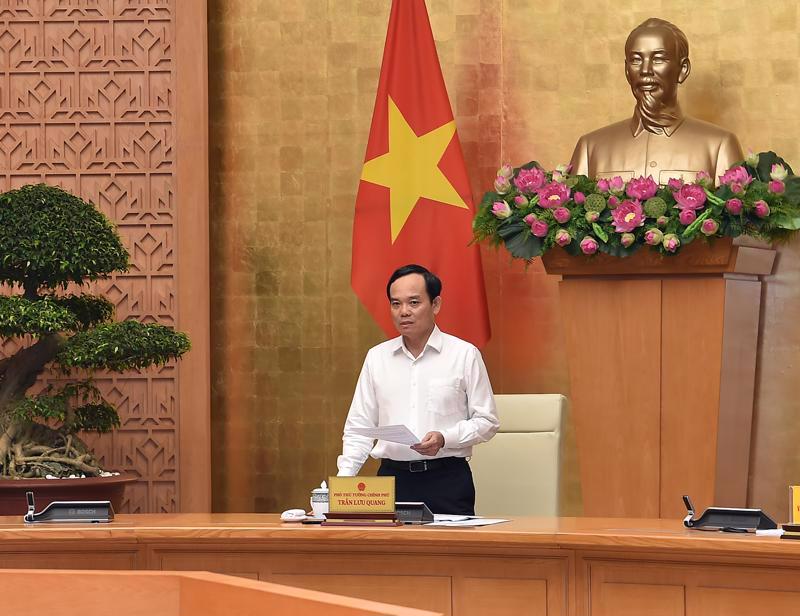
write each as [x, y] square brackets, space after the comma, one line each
[653, 163]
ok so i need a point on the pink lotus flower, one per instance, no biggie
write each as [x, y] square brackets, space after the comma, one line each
[501, 185]
[501, 209]
[671, 242]
[528, 181]
[687, 217]
[592, 216]
[540, 228]
[612, 202]
[734, 206]
[674, 184]
[653, 237]
[751, 158]
[778, 172]
[579, 198]
[562, 215]
[507, 171]
[602, 185]
[642, 188]
[737, 179]
[709, 226]
[529, 219]
[520, 201]
[563, 237]
[776, 187]
[553, 195]
[589, 245]
[690, 197]
[616, 185]
[761, 209]
[628, 216]
[627, 239]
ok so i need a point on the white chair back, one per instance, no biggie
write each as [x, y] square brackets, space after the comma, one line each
[517, 472]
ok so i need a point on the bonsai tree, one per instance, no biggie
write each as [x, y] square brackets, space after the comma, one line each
[48, 240]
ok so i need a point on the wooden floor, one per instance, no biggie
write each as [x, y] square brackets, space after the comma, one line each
[528, 566]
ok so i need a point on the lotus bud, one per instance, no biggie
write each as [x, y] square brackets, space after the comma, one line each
[761, 209]
[653, 236]
[501, 209]
[502, 185]
[589, 245]
[734, 206]
[709, 227]
[778, 172]
[562, 215]
[671, 242]
[687, 217]
[563, 237]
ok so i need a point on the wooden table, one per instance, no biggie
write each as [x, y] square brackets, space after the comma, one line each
[548, 566]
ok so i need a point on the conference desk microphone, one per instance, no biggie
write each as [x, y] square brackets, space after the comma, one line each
[69, 511]
[727, 519]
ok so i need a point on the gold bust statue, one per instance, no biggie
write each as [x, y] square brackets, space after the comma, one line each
[659, 140]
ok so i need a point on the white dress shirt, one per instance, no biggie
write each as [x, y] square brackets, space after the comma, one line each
[446, 389]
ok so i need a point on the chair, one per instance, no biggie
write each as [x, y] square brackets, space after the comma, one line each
[517, 472]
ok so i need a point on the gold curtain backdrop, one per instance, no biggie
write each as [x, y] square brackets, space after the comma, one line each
[292, 87]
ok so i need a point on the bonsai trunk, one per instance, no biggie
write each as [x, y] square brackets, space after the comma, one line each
[27, 448]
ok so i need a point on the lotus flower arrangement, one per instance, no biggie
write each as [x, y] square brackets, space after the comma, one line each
[532, 210]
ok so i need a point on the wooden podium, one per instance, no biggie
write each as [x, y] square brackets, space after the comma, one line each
[662, 359]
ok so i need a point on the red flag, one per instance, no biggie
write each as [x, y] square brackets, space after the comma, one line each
[414, 203]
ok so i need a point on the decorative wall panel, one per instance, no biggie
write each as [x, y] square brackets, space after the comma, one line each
[87, 93]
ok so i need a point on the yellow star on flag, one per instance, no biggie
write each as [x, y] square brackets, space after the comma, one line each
[410, 169]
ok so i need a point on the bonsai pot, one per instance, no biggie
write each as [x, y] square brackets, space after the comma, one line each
[45, 491]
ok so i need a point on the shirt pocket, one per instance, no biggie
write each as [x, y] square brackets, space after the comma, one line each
[445, 397]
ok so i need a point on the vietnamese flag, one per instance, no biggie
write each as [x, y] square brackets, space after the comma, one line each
[414, 203]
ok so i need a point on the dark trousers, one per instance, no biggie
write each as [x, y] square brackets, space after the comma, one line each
[445, 487]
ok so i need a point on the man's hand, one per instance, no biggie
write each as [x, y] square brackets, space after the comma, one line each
[430, 445]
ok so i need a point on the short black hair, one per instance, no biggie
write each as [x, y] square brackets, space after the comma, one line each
[432, 283]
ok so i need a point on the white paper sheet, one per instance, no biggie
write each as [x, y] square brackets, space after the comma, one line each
[469, 522]
[449, 517]
[393, 434]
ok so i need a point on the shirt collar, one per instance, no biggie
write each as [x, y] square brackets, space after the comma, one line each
[637, 126]
[435, 341]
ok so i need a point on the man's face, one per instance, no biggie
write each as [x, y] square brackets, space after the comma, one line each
[653, 67]
[413, 312]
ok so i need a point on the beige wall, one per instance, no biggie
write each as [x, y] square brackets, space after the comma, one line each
[292, 89]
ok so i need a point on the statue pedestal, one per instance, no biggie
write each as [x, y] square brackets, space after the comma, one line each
[662, 358]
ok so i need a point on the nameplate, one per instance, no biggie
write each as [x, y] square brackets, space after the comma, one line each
[794, 500]
[361, 494]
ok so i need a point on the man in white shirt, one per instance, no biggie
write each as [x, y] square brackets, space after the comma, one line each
[434, 383]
